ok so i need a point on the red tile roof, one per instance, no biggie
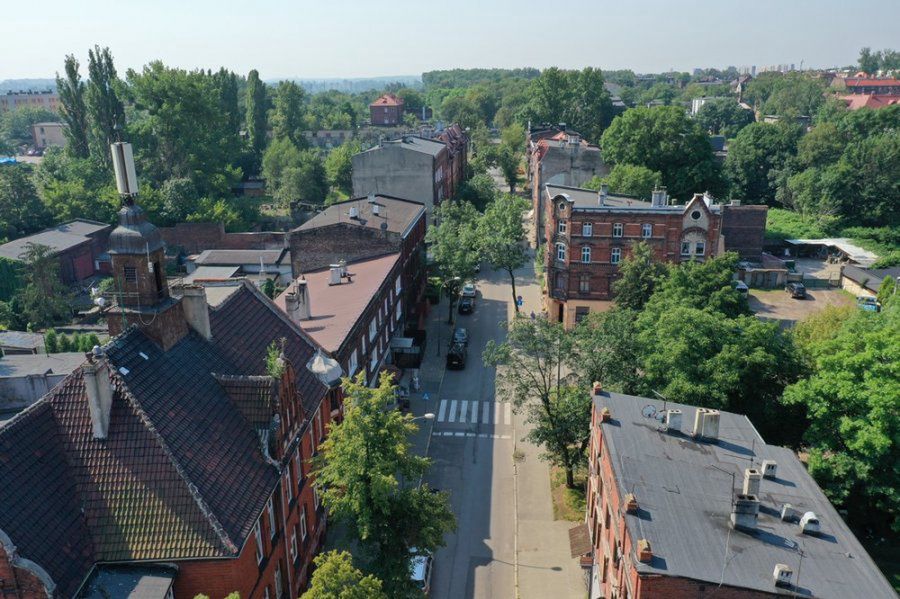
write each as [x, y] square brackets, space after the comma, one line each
[337, 308]
[865, 82]
[857, 101]
[387, 100]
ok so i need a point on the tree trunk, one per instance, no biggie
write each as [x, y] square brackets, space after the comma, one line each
[570, 477]
[512, 187]
[512, 281]
[450, 313]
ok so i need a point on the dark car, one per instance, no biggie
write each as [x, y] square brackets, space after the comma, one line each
[456, 356]
[466, 305]
[460, 335]
[797, 290]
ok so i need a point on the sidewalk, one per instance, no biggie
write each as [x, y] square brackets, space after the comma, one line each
[431, 375]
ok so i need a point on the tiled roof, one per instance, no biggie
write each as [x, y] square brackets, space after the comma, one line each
[857, 101]
[181, 474]
[866, 82]
[387, 100]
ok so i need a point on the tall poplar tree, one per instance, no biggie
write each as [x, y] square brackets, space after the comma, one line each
[107, 114]
[256, 115]
[73, 110]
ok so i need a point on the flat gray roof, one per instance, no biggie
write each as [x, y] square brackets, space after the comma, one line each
[414, 143]
[59, 238]
[684, 501]
[239, 257]
[15, 366]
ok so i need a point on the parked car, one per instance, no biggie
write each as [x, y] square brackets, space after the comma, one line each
[460, 335]
[456, 356]
[421, 566]
[741, 287]
[466, 305]
[869, 304]
[796, 289]
[469, 290]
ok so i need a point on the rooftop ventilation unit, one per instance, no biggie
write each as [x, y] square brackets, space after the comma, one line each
[354, 212]
[673, 420]
[789, 514]
[376, 209]
[631, 504]
[744, 512]
[752, 478]
[644, 551]
[335, 278]
[782, 575]
[706, 424]
[770, 469]
[809, 524]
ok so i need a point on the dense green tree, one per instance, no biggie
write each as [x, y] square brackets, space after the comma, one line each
[886, 290]
[461, 110]
[359, 472]
[455, 247]
[479, 191]
[702, 285]
[851, 399]
[664, 139]
[15, 126]
[502, 235]
[591, 109]
[509, 159]
[639, 274]
[10, 279]
[73, 109]
[256, 102]
[335, 577]
[786, 94]
[628, 179]
[868, 61]
[105, 109]
[412, 99]
[606, 350]
[339, 166]
[226, 83]
[723, 116]
[44, 299]
[209, 210]
[287, 118]
[21, 210]
[51, 341]
[755, 158]
[821, 146]
[550, 96]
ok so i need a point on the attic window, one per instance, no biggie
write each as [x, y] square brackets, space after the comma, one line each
[695, 215]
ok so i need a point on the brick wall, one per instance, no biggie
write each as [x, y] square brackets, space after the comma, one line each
[193, 238]
[744, 229]
[313, 249]
[16, 581]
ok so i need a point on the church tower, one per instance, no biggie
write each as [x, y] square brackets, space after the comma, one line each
[137, 253]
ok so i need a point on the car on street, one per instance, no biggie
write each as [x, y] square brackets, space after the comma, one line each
[796, 289]
[420, 570]
[469, 290]
[456, 356]
[460, 335]
[466, 305]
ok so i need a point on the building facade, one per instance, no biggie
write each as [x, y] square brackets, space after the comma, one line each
[47, 99]
[174, 453]
[387, 110]
[46, 135]
[589, 233]
[557, 156]
[676, 510]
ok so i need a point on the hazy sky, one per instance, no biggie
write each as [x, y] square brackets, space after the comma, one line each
[361, 38]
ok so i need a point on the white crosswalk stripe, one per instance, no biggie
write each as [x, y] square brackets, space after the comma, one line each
[474, 417]
[496, 412]
[442, 411]
[486, 413]
[507, 413]
[463, 406]
[469, 412]
[452, 411]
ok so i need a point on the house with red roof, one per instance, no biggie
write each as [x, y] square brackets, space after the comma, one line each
[386, 111]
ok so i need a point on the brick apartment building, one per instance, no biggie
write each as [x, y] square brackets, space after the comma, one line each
[46, 99]
[413, 168]
[387, 110]
[589, 233]
[381, 242]
[558, 156]
[457, 154]
[685, 502]
[172, 461]
[79, 246]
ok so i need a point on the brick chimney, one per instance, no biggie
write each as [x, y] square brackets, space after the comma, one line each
[296, 302]
[98, 388]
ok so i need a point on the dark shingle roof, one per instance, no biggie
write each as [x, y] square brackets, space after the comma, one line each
[685, 506]
[182, 474]
[58, 239]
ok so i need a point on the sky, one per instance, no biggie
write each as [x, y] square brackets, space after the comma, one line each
[364, 38]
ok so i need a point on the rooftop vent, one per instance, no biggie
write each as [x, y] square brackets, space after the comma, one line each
[603, 194]
[605, 415]
[752, 478]
[658, 198]
[354, 212]
[335, 278]
[644, 551]
[631, 504]
[673, 420]
[789, 514]
[770, 469]
[782, 575]
[809, 524]
[706, 424]
[744, 512]
[342, 264]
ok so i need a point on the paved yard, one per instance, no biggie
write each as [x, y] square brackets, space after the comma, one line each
[777, 304]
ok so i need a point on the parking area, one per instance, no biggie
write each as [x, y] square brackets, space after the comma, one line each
[777, 304]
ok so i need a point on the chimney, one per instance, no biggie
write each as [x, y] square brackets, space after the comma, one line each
[699, 416]
[605, 415]
[644, 551]
[631, 504]
[603, 194]
[296, 302]
[196, 310]
[744, 512]
[752, 479]
[673, 420]
[658, 197]
[98, 389]
[371, 198]
[376, 209]
[335, 275]
[597, 388]
[354, 212]
[707, 199]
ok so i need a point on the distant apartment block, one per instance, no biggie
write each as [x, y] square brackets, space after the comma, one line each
[867, 85]
[387, 110]
[32, 99]
[688, 502]
[48, 134]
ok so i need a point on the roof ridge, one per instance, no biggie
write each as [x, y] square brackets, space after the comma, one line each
[279, 313]
[228, 544]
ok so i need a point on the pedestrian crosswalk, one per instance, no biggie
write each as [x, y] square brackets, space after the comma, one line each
[463, 411]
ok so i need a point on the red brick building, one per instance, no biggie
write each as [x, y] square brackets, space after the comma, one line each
[387, 110]
[589, 233]
[689, 503]
[79, 246]
[173, 459]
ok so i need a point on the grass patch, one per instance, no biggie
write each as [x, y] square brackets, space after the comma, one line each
[787, 224]
[568, 504]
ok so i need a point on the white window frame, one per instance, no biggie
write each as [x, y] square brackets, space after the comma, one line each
[293, 546]
[587, 229]
[373, 329]
[260, 548]
[270, 506]
[320, 430]
[352, 364]
[397, 286]
[561, 252]
[586, 254]
[398, 310]
[303, 523]
[315, 491]
[278, 589]
[288, 485]
[685, 248]
[700, 248]
[618, 229]
[562, 227]
[615, 256]
[646, 231]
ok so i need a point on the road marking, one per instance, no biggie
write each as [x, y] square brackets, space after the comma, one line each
[463, 406]
[442, 411]
[496, 412]
[452, 417]
[470, 434]
[507, 413]
[458, 434]
[486, 413]
[474, 419]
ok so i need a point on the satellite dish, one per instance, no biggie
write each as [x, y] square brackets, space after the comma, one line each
[100, 301]
[649, 411]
